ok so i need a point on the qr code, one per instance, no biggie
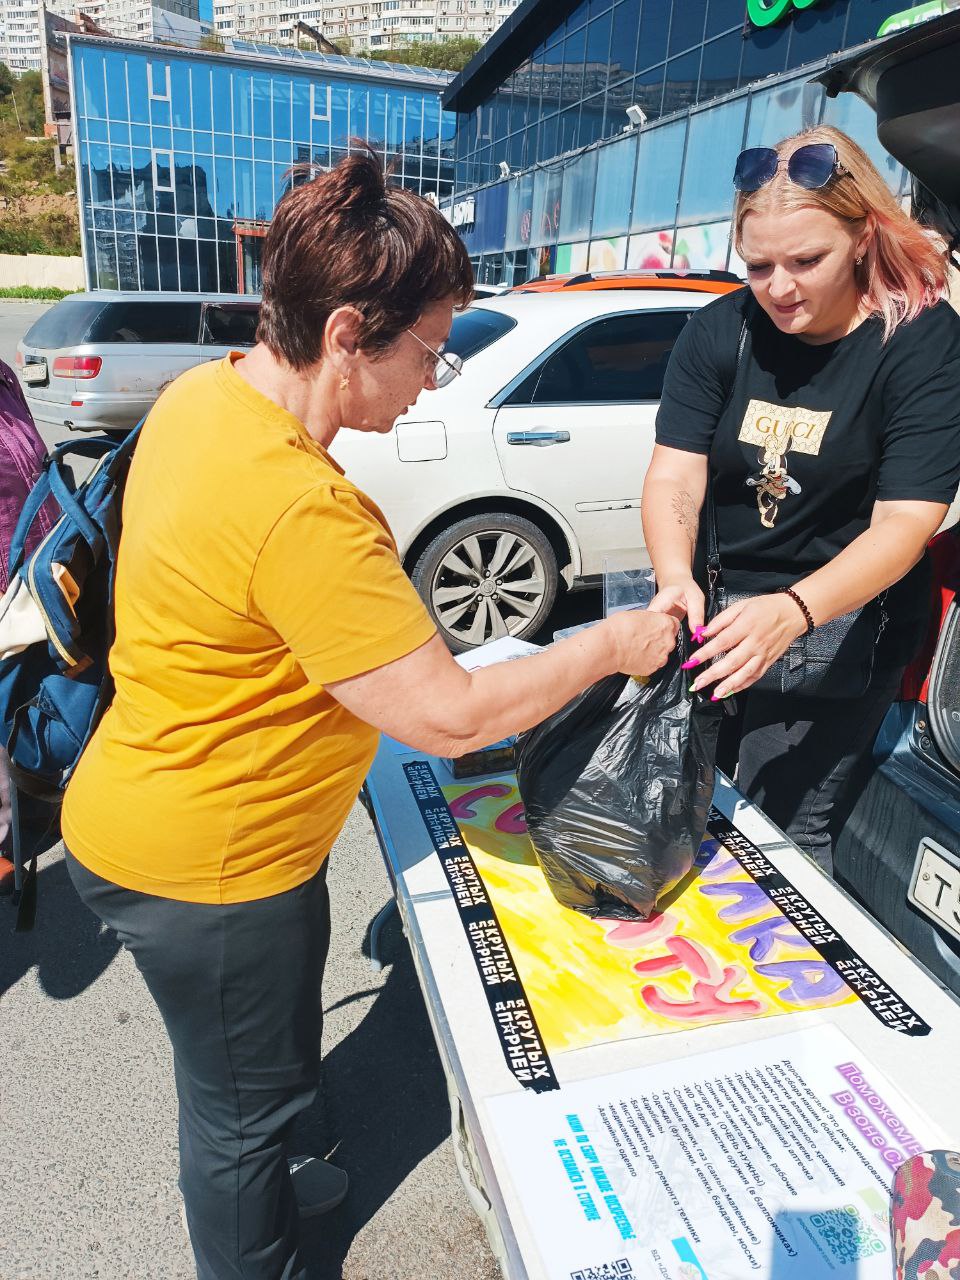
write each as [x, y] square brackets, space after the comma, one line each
[619, 1270]
[849, 1237]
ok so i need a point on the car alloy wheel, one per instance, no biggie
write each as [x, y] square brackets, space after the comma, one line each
[487, 577]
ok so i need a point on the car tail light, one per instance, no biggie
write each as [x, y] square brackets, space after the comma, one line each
[944, 553]
[19, 359]
[77, 366]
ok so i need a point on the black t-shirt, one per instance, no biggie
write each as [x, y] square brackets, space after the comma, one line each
[852, 422]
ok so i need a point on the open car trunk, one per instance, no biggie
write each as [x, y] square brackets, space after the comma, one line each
[912, 81]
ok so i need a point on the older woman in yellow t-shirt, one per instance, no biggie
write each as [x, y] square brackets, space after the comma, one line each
[265, 633]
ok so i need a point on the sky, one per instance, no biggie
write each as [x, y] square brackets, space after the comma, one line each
[206, 10]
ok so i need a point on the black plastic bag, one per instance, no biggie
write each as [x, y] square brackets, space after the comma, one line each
[617, 787]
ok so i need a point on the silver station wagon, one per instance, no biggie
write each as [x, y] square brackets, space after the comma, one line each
[97, 361]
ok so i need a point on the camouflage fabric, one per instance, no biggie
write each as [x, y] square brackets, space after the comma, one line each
[925, 1217]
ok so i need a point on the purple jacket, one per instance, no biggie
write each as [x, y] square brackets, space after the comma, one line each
[21, 457]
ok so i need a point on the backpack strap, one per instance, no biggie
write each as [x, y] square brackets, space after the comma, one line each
[52, 480]
[95, 447]
[28, 513]
[69, 504]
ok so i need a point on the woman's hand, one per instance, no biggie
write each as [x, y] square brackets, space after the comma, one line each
[643, 640]
[681, 599]
[751, 635]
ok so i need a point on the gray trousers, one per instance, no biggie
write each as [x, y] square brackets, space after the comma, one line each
[238, 987]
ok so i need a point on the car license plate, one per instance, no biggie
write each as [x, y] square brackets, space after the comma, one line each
[35, 371]
[936, 885]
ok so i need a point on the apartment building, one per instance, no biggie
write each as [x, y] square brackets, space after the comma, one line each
[372, 25]
[20, 35]
[20, 22]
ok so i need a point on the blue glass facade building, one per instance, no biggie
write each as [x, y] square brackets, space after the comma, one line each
[182, 155]
[547, 97]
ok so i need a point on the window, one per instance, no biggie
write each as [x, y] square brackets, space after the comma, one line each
[852, 115]
[724, 15]
[474, 330]
[712, 148]
[163, 170]
[658, 176]
[818, 33]
[158, 80]
[149, 322]
[611, 207]
[63, 325]
[681, 81]
[618, 360]
[623, 43]
[576, 203]
[320, 102]
[686, 29]
[230, 326]
[775, 113]
[720, 65]
[652, 37]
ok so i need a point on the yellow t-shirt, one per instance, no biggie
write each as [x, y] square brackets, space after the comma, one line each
[251, 573]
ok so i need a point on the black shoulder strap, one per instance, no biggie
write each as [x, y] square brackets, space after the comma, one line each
[714, 569]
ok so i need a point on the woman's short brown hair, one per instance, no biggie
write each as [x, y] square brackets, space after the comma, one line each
[349, 239]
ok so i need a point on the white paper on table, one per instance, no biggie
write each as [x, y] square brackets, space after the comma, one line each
[503, 650]
[772, 1160]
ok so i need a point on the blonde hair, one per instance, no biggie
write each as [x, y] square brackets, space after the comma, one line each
[904, 268]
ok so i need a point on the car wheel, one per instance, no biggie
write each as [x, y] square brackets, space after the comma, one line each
[488, 576]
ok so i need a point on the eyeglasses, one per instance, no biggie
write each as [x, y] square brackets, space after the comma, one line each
[447, 367]
[811, 166]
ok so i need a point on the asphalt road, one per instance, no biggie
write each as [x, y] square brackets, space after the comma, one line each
[88, 1160]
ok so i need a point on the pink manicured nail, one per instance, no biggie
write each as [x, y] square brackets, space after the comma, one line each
[698, 635]
[686, 666]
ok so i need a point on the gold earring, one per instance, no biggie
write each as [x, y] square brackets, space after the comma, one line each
[344, 382]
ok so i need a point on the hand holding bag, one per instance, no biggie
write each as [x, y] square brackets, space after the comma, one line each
[617, 786]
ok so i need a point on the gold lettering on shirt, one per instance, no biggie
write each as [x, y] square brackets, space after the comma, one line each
[772, 425]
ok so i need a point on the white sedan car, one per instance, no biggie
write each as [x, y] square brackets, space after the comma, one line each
[527, 469]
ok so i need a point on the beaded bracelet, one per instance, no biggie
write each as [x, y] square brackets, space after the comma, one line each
[807, 615]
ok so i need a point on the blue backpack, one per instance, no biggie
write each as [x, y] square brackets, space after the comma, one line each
[56, 630]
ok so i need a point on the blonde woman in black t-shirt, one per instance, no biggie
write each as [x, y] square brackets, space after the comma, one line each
[820, 410]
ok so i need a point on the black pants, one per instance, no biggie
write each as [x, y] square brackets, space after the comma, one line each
[238, 987]
[803, 760]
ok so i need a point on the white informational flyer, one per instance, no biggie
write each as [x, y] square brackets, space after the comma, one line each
[773, 1160]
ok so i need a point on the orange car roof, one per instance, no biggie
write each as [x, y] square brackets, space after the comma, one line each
[691, 281]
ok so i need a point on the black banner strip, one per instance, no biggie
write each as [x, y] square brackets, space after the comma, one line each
[517, 1029]
[882, 1001]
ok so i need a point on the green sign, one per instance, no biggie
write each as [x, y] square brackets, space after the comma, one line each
[764, 13]
[910, 17]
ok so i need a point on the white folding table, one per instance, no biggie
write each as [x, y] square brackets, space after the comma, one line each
[540, 1168]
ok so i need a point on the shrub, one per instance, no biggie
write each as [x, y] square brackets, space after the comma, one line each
[46, 294]
[55, 233]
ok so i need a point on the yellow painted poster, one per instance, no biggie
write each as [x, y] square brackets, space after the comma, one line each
[716, 950]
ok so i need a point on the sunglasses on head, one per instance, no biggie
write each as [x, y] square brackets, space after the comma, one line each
[811, 166]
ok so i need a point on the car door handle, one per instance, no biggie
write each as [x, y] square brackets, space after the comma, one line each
[538, 437]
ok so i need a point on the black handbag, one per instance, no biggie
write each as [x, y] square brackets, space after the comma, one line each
[835, 659]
